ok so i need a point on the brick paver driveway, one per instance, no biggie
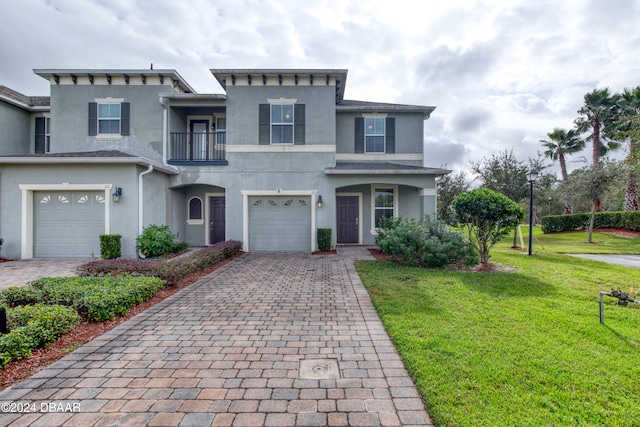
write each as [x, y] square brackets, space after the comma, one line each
[270, 339]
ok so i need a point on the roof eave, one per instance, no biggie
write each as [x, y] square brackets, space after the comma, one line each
[44, 160]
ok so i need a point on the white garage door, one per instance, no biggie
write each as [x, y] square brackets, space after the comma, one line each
[280, 223]
[68, 223]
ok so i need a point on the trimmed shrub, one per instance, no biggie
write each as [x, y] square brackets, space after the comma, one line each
[157, 240]
[171, 270]
[424, 243]
[110, 246]
[97, 298]
[20, 295]
[33, 327]
[627, 220]
[324, 239]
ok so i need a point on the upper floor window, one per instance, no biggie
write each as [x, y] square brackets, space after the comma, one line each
[374, 135]
[282, 123]
[42, 135]
[107, 117]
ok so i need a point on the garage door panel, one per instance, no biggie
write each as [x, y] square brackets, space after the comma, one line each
[280, 223]
[68, 224]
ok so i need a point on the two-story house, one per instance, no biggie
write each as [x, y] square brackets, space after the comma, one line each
[280, 154]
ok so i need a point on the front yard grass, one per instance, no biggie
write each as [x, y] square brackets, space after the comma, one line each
[523, 348]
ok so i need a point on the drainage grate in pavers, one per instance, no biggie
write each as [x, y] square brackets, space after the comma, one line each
[318, 369]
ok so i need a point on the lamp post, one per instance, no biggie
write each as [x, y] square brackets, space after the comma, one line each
[549, 199]
[532, 175]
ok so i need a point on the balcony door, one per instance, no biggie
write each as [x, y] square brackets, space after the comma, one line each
[199, 130]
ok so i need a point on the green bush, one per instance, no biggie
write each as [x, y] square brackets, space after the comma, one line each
[627, 220]
[424, 243]
[34, 327]
[171, 270]
[110, 246]
[94, 298]
[20, 295]
[157, 240]
[324, 239]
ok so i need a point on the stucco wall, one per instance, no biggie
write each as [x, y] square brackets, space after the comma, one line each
[69, 119]
[242, 111]
[123, 215]
[14, 130]
[409, 132]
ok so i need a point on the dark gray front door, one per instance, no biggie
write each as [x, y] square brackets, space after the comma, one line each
[348, 221]
[217, 219]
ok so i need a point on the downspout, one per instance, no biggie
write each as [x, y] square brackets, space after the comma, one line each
[141, 197]
[165, 123]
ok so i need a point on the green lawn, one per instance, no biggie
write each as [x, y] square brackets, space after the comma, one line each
[518, 349]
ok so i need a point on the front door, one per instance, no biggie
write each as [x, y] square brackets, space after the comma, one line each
[216, 219]
[348, 219]
[199, 139]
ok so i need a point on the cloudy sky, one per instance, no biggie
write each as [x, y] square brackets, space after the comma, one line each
[501, 73]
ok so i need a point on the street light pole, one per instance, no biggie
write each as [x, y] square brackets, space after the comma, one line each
[532, 175]
[549, 199]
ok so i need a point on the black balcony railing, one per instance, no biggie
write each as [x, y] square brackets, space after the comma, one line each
[190, 148]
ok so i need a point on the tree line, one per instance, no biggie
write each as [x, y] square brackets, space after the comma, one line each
[606, 122]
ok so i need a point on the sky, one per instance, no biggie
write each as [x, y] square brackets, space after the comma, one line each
[501, 74]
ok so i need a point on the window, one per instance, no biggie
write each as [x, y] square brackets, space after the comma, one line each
[282, 123]
[109, 118]
[195, 211]
[42, 135]
[384, 204]
[374, 135]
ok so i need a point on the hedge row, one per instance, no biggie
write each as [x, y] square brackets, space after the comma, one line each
[627, 220]
[94, 298]
[32, 327]
[171, 271]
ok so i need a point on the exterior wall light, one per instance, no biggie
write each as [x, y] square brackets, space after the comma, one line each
[117, 194]
[320, 203]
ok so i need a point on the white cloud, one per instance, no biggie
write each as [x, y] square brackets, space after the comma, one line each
[501, 74]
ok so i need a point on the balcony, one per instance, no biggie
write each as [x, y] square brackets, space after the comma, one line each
[197, 148]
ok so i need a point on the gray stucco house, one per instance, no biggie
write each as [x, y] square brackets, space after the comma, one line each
[280, 154]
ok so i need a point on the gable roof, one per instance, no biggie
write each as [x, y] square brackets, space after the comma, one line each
[30, 103]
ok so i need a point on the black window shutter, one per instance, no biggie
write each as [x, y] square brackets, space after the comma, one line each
[93, 118]
[298, 116]
[40, 135]
[125, 111]
[390, 135]
[264, 119]
[359, 124]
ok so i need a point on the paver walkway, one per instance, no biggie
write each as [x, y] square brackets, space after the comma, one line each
[275, 339]
[18, 273]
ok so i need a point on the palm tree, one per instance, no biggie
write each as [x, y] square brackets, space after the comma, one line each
[598, 117]
[560, 144]
[629, 129]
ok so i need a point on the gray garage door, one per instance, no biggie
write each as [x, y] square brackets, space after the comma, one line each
[280, 223]
[68, 223]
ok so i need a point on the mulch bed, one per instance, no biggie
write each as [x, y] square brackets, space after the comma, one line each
[87, 331]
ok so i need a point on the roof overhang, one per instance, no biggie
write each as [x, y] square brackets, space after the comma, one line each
[372, 107]
[70, 160]
[317, 76]
[383, 169]
[193, 99]
[176, 79]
